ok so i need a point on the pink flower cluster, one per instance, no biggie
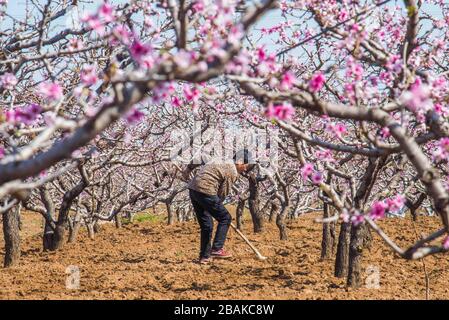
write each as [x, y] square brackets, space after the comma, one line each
[191, 94]
[354, 70]
[355, 217]
[142, 54]
[287, 81]
[442, 151]
[8, 81]
[284, 111]
[89, 75]
[51, 91]
[379, 208]
[134, 116]
[26, 115]
[418, 98]
[317, 81]
[98, 21]
[163, 91]
[338, 129]
[325, 155]
[266, 63]
[308, 171]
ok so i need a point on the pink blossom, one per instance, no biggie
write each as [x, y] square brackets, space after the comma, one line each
[442, 151]
[183, 58]
[325, 155]
[343, 15]
[26, 115]
[357, 219]
[394, 63]
[441, 110]
[75, 44]
[317, 177]
[317, 82]
[283, 111]
[134, 116]
[176, 101]
[191, 94]
[287, 81]
[418, 97]
[337, 129]
[106, 12]
[51, 91]
[261, 54]
[354, 70]
[444, 144]
[377, 210]
[122, 34]
[8, 81]
[89, 75]
[306, 170]
[95, 24]
[140, 50]
[2, 152]
[395, 203]
[345, 216]
[199, 6]
[385, 132]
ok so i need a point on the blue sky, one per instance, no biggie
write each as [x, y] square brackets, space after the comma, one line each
[16, 8]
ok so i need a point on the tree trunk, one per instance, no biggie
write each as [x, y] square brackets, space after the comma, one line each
[97, 226]
[253, 203]
[47, 237]
[73, 233]
[328, 239]
[90, 230]
[280, 222]
[60, 235]
[342, 258]
[118, 221]
[11, 235]
[239, 213]
[171, 214]
[358, 235]
[274, 209]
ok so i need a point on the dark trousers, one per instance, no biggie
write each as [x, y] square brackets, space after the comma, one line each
[206, 207]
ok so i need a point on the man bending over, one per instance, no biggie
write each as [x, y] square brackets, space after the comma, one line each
[208, 189]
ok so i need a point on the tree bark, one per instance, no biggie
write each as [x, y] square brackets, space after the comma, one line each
[171, 214]
[118, 221]
[11, 235]
[342, 258]
[73, 234]
[253, 203]
[239, 213]
[280, 222]
[47, 237]
[358, 234]
[90, 230]
[60, 235]
[274, 209]
[328, 238]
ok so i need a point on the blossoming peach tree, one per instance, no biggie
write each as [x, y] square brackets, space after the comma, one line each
[358, 90]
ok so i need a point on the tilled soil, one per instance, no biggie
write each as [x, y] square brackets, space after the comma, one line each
[149, 260]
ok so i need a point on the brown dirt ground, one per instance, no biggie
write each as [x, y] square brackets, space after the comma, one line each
[149, 260]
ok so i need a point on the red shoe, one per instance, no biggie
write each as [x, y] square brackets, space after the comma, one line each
[221, 253]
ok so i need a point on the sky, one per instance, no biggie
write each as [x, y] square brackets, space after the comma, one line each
[16, 8]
